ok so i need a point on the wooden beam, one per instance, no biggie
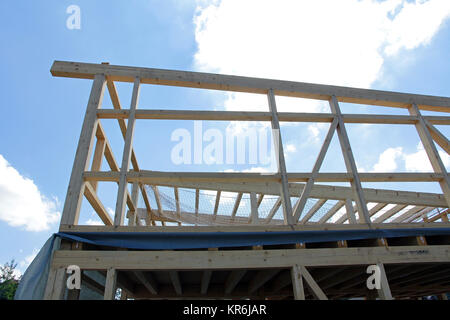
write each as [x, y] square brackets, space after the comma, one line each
[236, 205]
[123, 128]
[197, 195]
[281, 165]
[133, 217]
[319, 204]
[432, 153]
[248, 259]
[97, 205]
[376, 208]
[92, 284]
[384, 292]
[177, 201]
[349, 211]
[109, 156]
[272, 211]
[158, 177]
[122, 124]
[349, 160]
[253, 228]
[300, 205]
[315, 289]
[121, 194]
[261, 278]
[266, 116]
[332, 211]
[110, 284]
[246, 84]
[158, 199]
[175, 278]
[419, 215]
[72, 203]
[206, 278]
[260, 185]
[253, 209]
[147, 204]
[147, 280]
[390, 213]
[438, 136]
[408, 214]
[98, 157]
[216, 205]
[55, 287]
[344, 217]
[442, 215]
[297, 283]
[233, 279]
[260, 199]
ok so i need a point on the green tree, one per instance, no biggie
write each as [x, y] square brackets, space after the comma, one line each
[8, 280]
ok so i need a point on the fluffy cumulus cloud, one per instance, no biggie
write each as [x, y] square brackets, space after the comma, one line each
[319, 41]
[396, 159]
[21, 202]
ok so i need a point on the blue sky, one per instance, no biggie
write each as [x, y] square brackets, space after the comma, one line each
[389, 45]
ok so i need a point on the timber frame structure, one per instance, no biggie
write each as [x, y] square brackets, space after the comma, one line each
[411, 266]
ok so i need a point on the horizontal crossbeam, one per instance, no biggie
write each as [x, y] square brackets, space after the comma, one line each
[251, 85]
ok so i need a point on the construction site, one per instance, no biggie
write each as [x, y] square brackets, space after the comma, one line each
[278, 236]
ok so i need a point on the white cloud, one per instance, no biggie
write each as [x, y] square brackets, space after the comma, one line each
[387, 162]
[319, 41]
[418, 161]
[94, 222]
[416, 24]
[21, 202]
[290, 148]
[395, 159]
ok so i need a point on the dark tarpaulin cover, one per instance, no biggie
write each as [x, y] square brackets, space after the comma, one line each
[197, 240]
[33, 282]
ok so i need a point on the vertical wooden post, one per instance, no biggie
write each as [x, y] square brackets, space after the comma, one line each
[56, 284]
[431, 151]
[384, 292]
[121, 194]
[75, 190]
[349, 210]
[254, 208]
[177, 202]
[278, 145]
[297, 283]
[110, 285]
[133, 218]
[350, 164]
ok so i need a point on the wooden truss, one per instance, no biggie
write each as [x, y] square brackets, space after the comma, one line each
[286, 185]
[360, 208]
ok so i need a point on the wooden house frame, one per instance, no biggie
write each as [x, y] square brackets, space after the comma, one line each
[330, 270]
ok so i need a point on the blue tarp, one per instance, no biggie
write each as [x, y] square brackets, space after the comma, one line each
[197, 240]
[33, 282]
